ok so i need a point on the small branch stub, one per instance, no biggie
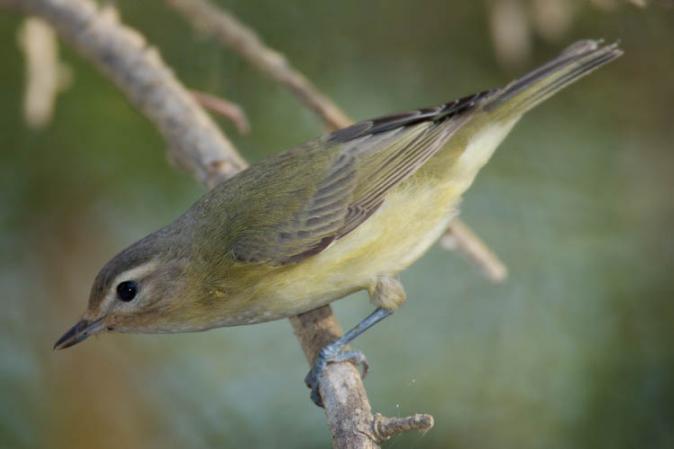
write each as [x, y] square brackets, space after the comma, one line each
[224, 108]
[384, 428]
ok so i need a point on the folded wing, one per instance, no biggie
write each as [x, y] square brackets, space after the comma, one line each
[366, 161]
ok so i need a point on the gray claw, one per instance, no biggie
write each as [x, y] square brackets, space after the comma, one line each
[332, 354]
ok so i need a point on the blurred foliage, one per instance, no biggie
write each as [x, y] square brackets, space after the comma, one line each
[574, 350]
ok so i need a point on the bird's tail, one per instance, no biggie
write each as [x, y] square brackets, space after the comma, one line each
[538, 85]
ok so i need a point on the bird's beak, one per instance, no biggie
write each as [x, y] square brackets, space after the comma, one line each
[79, 332]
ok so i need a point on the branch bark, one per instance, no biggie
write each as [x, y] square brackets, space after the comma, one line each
[196, 143]
[347, 407]
[206, 17]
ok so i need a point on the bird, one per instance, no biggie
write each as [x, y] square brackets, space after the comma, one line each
[345, 212]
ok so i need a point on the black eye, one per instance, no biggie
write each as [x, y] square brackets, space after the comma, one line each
[127, 290]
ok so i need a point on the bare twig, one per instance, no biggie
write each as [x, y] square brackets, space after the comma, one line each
[46, 76]
[231, 32]
[209, 18]
[461, 238]
[227, 109]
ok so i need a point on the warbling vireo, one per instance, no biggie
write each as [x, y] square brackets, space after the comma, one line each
[342, 213]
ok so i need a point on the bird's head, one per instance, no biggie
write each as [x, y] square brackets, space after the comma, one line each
[138, 290]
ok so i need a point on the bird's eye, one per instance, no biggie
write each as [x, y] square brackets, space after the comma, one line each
[127, 290]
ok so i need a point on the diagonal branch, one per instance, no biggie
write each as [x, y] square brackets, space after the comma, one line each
[211, 19]
[232, 33]
[122, 54]
[460, 237]
[198, 146]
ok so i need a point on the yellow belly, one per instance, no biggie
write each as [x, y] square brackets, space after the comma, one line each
[412, 218]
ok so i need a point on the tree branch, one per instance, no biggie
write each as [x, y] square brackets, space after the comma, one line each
[122, 54]
[213, 20]
[198, 146]
[345, 400]
[232, 33]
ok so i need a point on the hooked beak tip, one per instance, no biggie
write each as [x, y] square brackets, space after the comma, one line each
[78, 333]
[62, 344]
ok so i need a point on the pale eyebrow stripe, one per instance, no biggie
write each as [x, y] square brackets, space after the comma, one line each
[136, 273]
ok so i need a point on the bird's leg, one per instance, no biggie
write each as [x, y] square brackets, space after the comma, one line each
[387, 294]
[332, 353]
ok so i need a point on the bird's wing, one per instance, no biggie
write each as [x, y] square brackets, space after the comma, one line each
[300, 201]
[359, 166]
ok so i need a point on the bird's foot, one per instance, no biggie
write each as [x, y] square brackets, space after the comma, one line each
[332, 353]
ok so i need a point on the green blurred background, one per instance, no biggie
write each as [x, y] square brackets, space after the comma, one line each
[574, 350]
